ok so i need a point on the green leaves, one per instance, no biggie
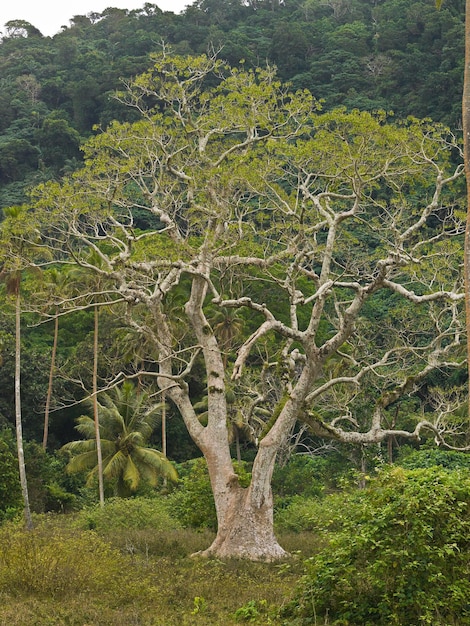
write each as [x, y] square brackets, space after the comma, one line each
[397, 553]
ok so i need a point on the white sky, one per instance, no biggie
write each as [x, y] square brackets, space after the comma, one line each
[49, 15]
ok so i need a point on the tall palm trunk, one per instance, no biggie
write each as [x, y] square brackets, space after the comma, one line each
[51, 380]
[19, 428]
[466, 157]
[95, 408]
[164, 422]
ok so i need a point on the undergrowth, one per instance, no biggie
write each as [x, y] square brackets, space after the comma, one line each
[59, 574]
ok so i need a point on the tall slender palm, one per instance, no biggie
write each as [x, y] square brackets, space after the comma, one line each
[82, 274]
[18, 236]
[126, 423]
[466, 161]
[13, 287]
[57, 280]
[12, 280]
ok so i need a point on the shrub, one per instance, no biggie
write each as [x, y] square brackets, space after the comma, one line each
[51, 562]
[193, 501]
[132, 514]
[10, 493]
[301, 514]
[448, 459]
[398, 554]
[302, 475]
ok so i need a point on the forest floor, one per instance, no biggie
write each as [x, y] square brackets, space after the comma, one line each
[57, 575]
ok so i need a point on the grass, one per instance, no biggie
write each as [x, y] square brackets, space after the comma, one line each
[61, 575]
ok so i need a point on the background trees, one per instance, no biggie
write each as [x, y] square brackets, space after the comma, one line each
[395, 55]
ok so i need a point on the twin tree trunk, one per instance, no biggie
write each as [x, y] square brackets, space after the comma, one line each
[18, 417]
[245, 515]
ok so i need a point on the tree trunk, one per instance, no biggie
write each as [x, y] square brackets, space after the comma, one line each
[19, 428]
[466, 156]
[51, 380]
[245, 522]
[95, 408]
[164, 448]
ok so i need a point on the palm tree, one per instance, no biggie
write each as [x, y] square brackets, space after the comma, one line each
[126, 422]
[13, 288]
[14, 227]
[84, 275]
[56, 280]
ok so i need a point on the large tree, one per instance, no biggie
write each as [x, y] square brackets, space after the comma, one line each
[309, 224]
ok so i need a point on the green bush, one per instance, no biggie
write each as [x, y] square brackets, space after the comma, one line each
[301, 514]
[398, 554]
[302, 475]
[10, 492]
[193, 502]
[131, 514]
[448, 459]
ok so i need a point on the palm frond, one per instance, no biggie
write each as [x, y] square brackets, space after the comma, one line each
[157, 461]
[115, 465]
[108, 448]
[80, 446]
[131, 474]
[86, 426]
[82, 462]
[135, 438]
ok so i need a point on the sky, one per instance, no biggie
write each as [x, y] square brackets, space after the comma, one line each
[49, 15]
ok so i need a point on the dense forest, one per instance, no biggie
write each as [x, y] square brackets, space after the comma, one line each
[404, 57]
[231, 252]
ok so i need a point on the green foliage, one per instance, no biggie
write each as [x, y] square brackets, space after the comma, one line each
[300, 515]
[47, 482]
[193, 502]
[302, 476]
[251, 612]
[132, 513]
[200, 605]
[431, 457]
[10, 492]
[397, 553]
